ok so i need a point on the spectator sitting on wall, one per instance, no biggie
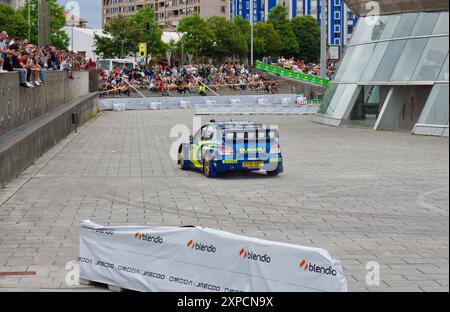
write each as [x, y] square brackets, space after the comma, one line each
[4, 51]
[30, 59]
[54, 58]
[14, 62]
[32, 62]
[67, 66]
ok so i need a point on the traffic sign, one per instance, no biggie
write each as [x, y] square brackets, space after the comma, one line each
[142, 50]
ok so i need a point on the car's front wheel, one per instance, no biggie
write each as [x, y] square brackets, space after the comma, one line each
[181, 160]
[208, 168]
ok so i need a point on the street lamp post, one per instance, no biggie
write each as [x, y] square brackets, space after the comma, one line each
[182, 50]
[29, 21]
[73, 24]
[323, 39]
[182, 45]
[251, 33]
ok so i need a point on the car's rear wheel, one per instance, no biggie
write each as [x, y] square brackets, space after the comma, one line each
[274, 173]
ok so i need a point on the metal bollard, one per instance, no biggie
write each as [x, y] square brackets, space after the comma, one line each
[75, 120]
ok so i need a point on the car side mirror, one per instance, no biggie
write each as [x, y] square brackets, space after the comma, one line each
[191, 139]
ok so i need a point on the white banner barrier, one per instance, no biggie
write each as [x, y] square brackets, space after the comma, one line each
[185, 104]
[239, 104]
[189, 259]
[155, 105]
[118, 107]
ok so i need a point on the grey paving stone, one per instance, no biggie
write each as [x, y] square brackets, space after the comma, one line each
[362, 195]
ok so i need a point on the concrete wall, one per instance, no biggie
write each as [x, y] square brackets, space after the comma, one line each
[93, 81]
[34, 120]
[19, 105]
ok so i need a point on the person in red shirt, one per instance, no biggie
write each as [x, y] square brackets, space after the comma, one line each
[116, 72]
[89, 64]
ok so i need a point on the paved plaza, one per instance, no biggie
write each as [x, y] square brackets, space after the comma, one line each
[362, 195]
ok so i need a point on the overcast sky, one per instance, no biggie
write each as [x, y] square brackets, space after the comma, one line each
[90, 10]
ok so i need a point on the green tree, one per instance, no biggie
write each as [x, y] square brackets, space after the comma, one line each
[244, 28]
[125, 34]
[118, 42]
[174, 48]
[266, 40]
[12, 22]
[228, 38]
[143, 25]
[242, 24]
[278, 17]
[307, 32]
[57, 36]
[197, 37]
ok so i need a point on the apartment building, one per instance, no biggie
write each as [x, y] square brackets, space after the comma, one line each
[14, 3]
[168, 12]
[340, 20]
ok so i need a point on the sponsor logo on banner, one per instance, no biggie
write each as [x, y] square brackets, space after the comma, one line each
[304, 264]
[311, 267]
[201, 251]
[148, 238]
[85, 260]
[201, 247]
[250, 255]
[106, 232]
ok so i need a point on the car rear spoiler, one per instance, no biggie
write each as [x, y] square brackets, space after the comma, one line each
[251, 134]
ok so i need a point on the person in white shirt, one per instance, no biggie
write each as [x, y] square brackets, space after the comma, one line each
[4, 51]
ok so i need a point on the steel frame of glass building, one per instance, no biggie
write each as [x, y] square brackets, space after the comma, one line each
[396, 65]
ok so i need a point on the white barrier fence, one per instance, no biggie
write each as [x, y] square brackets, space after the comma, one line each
[155, 105]
[192, 259]
[243, 104]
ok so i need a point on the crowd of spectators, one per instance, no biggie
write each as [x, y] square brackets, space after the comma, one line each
[184, 79]
[301, 66]
[32, 62]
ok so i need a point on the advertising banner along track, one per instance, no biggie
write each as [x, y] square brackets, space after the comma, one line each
[286, 73]
[192, 259]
